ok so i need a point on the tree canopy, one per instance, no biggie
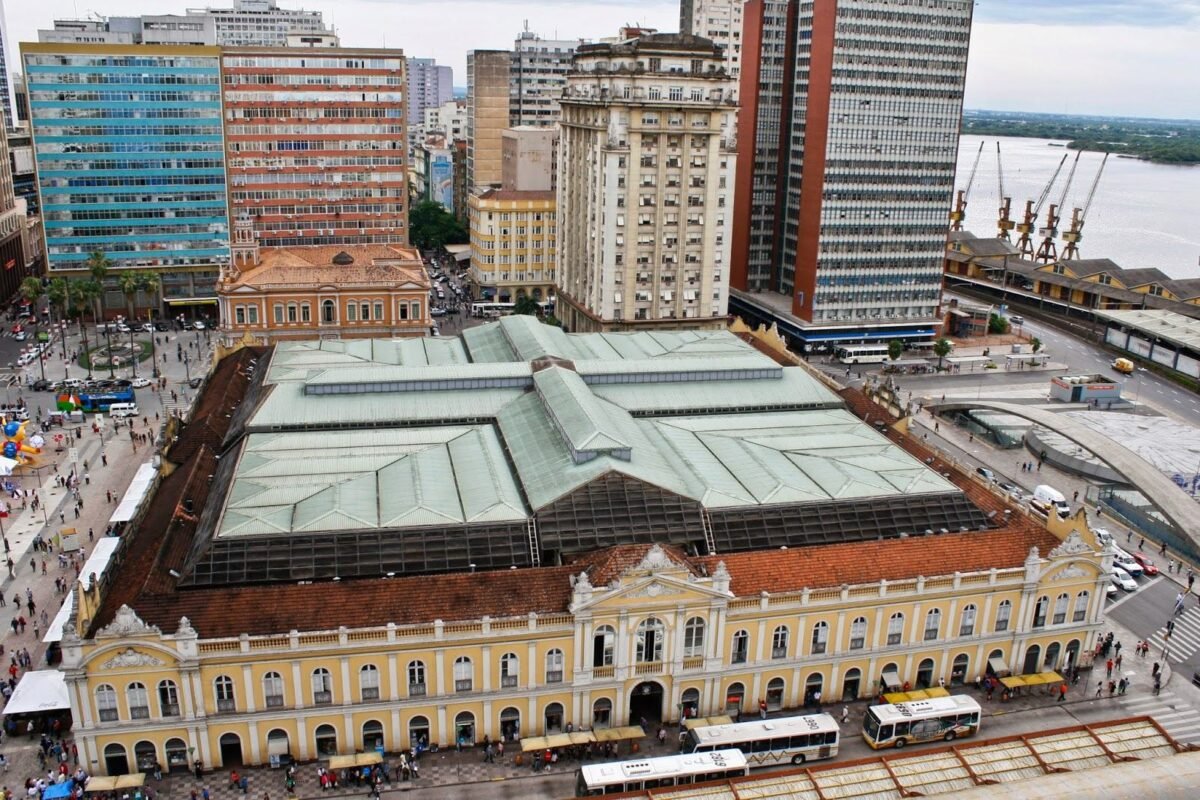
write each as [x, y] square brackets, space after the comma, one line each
[430, 226]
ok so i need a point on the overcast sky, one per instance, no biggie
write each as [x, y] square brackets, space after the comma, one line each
[1123, 57]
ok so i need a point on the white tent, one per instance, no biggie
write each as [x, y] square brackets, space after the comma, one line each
[39, 691]
[7, 465]
[138, 488]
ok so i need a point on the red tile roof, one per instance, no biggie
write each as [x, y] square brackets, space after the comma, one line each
[603, 566]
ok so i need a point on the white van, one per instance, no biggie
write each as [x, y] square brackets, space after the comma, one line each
[1047, 497]
[124, 410]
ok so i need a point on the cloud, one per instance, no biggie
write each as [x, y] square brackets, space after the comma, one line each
[1137, 13]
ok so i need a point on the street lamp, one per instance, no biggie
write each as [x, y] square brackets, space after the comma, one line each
[112, 373]
[132, 349]
[187, 360]
[153, 345]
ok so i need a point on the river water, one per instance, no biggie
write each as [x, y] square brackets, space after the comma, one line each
[1144, 215]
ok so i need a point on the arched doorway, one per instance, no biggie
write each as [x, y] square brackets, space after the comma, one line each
[735, 695]
[1072, 654]
[464, 728]
[278, 746]
[520, 293]
[230, 745]
[177, 758]
[1032, 656]
[116, 762]
[690, 700]
[646, 701]
[958, 671]
[510, 723]
[775, 694]
[1051, 661]
[813, 685]
[554, 718]
[994, 657]
[418, 731]
[146, 756]
[372, 733]
[851, 685]
[537, 293]
[326, 739]
[925, 674]
[602, 713]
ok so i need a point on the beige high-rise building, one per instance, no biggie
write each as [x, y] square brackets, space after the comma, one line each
[487, 114]
[646, 164]
[721, 21]
[528, 159]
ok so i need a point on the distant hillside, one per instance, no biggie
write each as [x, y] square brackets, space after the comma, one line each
[1161, 141]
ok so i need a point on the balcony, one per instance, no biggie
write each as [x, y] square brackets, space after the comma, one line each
[554, 676]
[601, 673]
[463, 685]
[110, 714]
[781, 652]
[274, 701]
[370, 694]
[649, 668]
[139, 712]
[322, 698]
[170, 709]
[416, 690]
[226, 706]
[693, 662]
[508, 681]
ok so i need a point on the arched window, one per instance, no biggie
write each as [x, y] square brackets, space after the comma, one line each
[372, 733]
[604, 642]
[602, 713]
[293, 312]
[858, 633]
[649, 644]
[733, 698]
[958, 671]
[273, 689]
[106, 703]
[967, 626]
[1003, 615]
[1039, 612]
[779, 642]
[328, 311]
[418, 731]
[322, 686]
[741, 648]
[820, 637]
[168, 698]
[554, 666]
[510, 670]
[368, 682]
[226, 699]
[464, 729]
[139, 700]
[933, 624]
[464, 674]
[326, 738]
[1081, 607]
[775, 694]
[416, 678]
[1060, 608]
[925, 674]
[896, 628]
[693, 638]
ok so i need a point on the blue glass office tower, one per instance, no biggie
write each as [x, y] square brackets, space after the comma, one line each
[131, 160]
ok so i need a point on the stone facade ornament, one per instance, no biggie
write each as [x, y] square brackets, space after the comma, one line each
[131, 658]
[652, 589]
[126, 622]
[1070, 573]
[185, 627]
[582, 584]
[655, 559]
[1073, 545]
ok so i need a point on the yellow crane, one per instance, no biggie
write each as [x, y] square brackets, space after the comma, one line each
[1004, 223]
[1048, 250]
[1026, 226]
[1073, 235]
[960, 202]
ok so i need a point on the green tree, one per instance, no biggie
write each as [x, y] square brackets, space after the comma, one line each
[129, 284]
[57, 292]
[941, 349]
[526, 305]
[430, 226]
[31, 289]
[151, 284]
[98, 265]
[78, 300]
[998, 324]
[895, 349]
[1035, 343]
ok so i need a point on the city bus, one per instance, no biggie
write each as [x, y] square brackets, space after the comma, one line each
[862, 353]
[492, 310]
[764, 742]
[101, 401]
[945, 718]
[614, 777]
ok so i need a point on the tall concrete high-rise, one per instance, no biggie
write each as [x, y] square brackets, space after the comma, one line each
[646, 165]
[429, 86]
[487, 114]
[6, 91]
[135, 170]
[315, 144]
[259, 23]
[537, 77]
[720, 21]
[850, 114]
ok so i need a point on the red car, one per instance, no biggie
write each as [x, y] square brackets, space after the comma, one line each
[1148, 567]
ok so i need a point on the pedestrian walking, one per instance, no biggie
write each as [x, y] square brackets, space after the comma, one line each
[1062, 692]
[1108, 668]
[1099, 688]
[1162, 551]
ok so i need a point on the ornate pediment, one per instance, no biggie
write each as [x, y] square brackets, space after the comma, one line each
[1073, 545]
[1072, 572]
[126, 622]
[131, 658]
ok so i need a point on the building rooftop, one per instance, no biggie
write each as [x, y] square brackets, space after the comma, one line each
[1177, 329]
[337, 265]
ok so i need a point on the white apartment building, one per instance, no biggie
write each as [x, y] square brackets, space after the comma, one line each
[721, 21]
[645, 170]
[260, 23]
[537, 77]
[449, 119]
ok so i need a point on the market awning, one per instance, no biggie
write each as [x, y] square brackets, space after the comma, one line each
[704, 722]
[101, 783]
[531, 743]
[356, 760]
[997, 665]
[55, 631]
[618, 734]
[1013, 682]
[57, 790]
[189, 301]
[131, 781]
[1043, 678]
[136, 492]
[39, 691]
[891, 679]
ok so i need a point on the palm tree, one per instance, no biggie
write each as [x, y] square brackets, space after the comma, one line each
[129, 283]
[151, 284]
[98, 265]
[31, 289]
[78, 299]
[56, 292]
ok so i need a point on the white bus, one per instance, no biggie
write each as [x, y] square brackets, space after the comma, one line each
[862, 353]
[921, 721]
[771, 741]
[594, 780]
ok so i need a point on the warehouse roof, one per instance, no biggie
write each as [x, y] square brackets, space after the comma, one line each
[1177, 329]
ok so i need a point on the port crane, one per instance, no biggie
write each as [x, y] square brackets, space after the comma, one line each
[960, 202]
[1026, 226]
[1004, 223]
[1048, 250]
[1074, 234]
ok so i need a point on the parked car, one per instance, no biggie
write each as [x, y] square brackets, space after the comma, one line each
[20, 336]
[1127, 562]
[437, 312]
[140, 383]
[986, 474]
[1148, 566]
[1120, 577]
[162, 327]
[1011, 489]
[41, 385]
[198, 325]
